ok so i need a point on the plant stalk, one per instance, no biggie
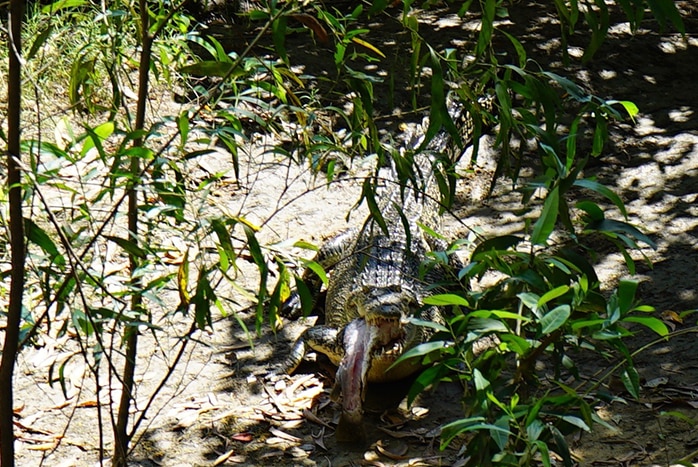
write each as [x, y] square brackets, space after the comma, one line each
[122, 436]
[14, 312]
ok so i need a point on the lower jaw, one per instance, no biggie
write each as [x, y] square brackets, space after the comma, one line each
[350, 429]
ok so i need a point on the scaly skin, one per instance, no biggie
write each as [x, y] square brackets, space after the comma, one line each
[377, 282]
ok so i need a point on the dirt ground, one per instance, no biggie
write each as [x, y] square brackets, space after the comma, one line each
[216, 410]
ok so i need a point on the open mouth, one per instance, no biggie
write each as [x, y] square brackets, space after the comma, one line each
[390, 336]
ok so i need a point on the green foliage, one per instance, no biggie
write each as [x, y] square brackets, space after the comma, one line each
[87, 265]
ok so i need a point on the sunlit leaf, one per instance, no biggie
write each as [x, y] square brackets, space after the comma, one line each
[552, 294]
[183, 281]
[555, 318]
[368, 45]
[655, 324]
[446, 300]
[317, 269]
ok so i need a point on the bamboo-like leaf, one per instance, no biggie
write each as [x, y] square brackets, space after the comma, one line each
[183, 281]
[501, 243]
[604, 191]
[484, 38]
[368, 45]
[420, 351]
[631, 381]
[446, 300]
[594, 212]
[61, 4]
[629, 107]
[39, 237]
[545, 224]
[429, 324]
[610, 225]
[655, 324]
[318, 270]
[368, 194]
[129, 246]
[39, 42]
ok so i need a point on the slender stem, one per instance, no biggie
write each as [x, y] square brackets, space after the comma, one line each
[121, 432]
[14, 312]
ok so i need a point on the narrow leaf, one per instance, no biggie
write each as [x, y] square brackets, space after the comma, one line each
[445, 300]
[546, 222]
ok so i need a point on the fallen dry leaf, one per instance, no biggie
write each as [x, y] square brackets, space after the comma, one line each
[396, 452]
[244, 437]
[284, 435]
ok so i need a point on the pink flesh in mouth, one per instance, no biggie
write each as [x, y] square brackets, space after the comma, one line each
[359, 339]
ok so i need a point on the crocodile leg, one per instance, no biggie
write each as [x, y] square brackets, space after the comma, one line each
[318, 338]
[330, 253]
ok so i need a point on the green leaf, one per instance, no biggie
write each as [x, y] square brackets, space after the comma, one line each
[203, 298]
[429, 324]
[546, 222]
[39, 42]
[495, 244]
[655, 324]
[518, 47]
[679, 416]
[130, 247]
[305, 295]
[629, 107]
[544, 452]
[253, 246]
[626, 295]
[484, 38]
[425, 379]
[420, 351]
[631, 381]
[318, 270]
[95, 137]
[517, 344]
[453, 429]
[569, 86]
[555, 318]
[39, 237]
[446, 300]
[594, 212]
[61, 4]
[368, 194]
[610, 225]
[226, 251]
[604, 191]
[575, 421]
[305, 245]
[529, 300]
[501, 436]
[501, 314]
[552, 294]
[208, 68]
[278, 29]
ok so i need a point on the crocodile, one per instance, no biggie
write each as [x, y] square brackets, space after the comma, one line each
[378, 279]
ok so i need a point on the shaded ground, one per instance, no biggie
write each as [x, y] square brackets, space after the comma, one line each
[219, 413]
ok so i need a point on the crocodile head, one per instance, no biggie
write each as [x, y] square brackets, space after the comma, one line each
[386, 310]
[372, 342]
